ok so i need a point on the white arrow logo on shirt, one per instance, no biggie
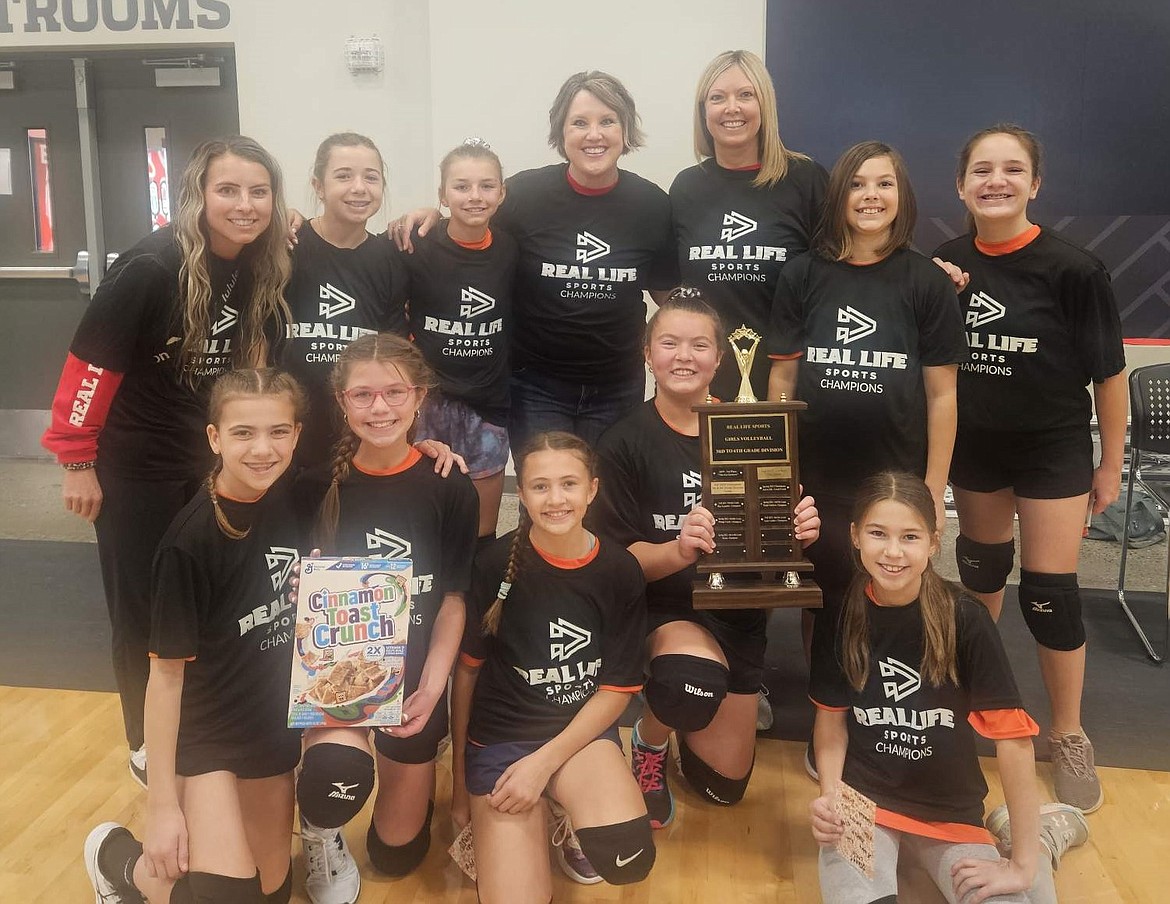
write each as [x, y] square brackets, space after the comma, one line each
[906, 680]
[590, 247]
[280, 561]
[578, 638]
[737, 225]
[384, 541]
[691, 479]
[475, 302]
[227, 317]
[983, 309]
[343, 302]
[862, 326]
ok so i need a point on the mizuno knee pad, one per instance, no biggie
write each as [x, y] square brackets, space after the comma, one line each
[400, 859]
[210, 888]
[334, 784]
[684, 692]
[1051, 604]
[621, 853]
[714, 786]
[984, 567]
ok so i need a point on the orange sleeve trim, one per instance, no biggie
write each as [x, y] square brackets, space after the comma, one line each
[632, 689]
[1001, 724]
[156, 656]
[792, 357]
[1022, 240]
[412, 458]
[828, 709]
[954, 832]
[470, 661]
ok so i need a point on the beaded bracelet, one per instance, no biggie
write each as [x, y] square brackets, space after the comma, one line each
[78, 465]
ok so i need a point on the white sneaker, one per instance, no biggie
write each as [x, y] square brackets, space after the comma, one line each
[107, 889]
[764, 717]
[138, 765]
[333, 876]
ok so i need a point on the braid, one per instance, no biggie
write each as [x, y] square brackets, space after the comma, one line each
[491, 618]
[221, 519]
[329, 512]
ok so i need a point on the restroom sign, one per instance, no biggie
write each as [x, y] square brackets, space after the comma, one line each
[84, 16]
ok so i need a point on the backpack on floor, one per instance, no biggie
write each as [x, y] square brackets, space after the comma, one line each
[1145, 526]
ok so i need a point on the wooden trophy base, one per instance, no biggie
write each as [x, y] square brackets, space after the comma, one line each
[763, 591]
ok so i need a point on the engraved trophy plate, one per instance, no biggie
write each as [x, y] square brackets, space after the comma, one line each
[751, 483]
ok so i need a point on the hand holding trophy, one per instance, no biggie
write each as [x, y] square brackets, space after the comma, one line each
[751, 483]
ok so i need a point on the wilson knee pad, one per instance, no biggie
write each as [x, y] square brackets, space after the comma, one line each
[714, 786]
[210, 888]
[334, 784]
[1051, 604]
[400, 859]
[283, 894]
[621, 853]
[684, 692]
[984, 567]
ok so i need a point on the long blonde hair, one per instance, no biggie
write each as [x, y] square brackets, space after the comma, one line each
[556, 441]
[385, 348]
[248, 383]
[267, 258]
[774, 156]
[936, 598]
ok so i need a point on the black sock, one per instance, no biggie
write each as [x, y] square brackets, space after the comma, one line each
[116, 859]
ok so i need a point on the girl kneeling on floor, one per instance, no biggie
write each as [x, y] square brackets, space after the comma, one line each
[917, 666]
[220, 803]
[551, 656]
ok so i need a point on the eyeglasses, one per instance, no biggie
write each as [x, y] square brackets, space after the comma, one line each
[393, 395]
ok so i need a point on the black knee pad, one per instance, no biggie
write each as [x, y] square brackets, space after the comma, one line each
[401, 859]
[622, 853]
[1051, 604]
[712, 785]
[283, 894]
[684, 692]
[984, 567]
[210, 888]
[334, 784]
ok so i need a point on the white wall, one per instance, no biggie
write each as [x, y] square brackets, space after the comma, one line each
[453, 68]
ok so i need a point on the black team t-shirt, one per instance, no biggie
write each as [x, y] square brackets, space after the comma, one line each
[411, 513]
[568, 629]
[134, 326]
[460, 315]
[864, 334]
[1042, 323]
[733, 241]
[336, 295]
[911, 749]
[224, 605]
[584, 261]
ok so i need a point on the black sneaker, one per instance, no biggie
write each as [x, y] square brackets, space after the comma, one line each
[112, 886]
[649, 767]
[138, 765]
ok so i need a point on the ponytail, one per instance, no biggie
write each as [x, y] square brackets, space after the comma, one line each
[329, 512]
[520, 545]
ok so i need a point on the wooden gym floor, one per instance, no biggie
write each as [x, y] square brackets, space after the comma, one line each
[63, 770]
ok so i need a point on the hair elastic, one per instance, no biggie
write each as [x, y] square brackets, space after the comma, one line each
[505, 587]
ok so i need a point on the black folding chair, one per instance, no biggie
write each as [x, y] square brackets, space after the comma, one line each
[1149, 404]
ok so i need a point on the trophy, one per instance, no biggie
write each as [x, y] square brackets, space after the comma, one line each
[751, 484]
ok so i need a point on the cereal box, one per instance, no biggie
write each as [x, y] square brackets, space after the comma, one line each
[350, 653]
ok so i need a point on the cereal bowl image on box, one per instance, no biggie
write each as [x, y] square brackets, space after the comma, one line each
[353, 616]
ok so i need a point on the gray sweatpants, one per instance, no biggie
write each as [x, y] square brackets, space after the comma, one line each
[841, 883]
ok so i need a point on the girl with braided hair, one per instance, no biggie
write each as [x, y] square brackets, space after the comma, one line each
[551, 654]
[219, 808]
[381, 496]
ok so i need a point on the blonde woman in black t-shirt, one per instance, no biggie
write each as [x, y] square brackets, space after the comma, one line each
[916, 670]
[181, 307]
[551, 656]
[220, 804]
[1042, 324]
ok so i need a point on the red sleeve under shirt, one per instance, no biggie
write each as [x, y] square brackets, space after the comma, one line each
[80, 407]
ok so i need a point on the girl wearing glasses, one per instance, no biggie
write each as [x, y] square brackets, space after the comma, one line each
[379, 496]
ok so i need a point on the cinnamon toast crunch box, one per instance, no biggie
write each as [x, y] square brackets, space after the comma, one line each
[353, 615]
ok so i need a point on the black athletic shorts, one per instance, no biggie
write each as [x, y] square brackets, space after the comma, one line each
[741, 634]
[419, 748]
[260, 757]
[1047, 464]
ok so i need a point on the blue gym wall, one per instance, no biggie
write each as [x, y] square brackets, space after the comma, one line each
[1091, 79]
